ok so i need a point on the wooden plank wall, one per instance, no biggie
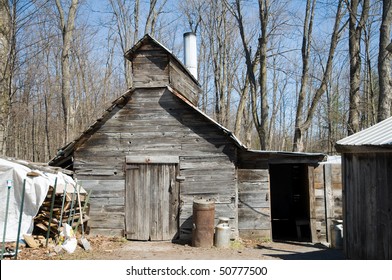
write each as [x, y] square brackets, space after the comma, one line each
[155, 122]
[254, 219]
[183, 83]
[150, 67]
[327, 200]
[107, 206]
[367, 200]
[212, 178]
[154, 67]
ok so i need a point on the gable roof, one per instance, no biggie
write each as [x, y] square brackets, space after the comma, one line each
[378, 135]
[147, 38]
[65, 154]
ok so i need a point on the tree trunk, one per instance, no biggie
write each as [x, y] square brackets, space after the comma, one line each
[136, 20]
[302, 128]
[384, 63]
[355, 33]
[67, 28]
[263, 128]
[298, 144]
[5, 70]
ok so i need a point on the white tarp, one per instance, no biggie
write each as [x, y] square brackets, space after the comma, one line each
[35, 193]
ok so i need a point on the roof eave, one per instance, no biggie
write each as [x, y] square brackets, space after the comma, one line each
[341, 148]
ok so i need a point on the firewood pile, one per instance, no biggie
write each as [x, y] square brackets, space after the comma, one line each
[64, 208]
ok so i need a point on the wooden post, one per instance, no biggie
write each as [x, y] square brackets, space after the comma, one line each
[51, 212]
[329, 202]
[312, 200]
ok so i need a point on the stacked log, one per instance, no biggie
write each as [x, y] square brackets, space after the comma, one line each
[65, 209]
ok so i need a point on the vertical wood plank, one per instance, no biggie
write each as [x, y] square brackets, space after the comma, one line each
[329, 201]
[154, 210]
[312, 212]
[164, 186]
[144, 210]
[173, 202]
[369, 188]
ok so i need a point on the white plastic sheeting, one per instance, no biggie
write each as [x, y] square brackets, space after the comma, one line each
[35, 193]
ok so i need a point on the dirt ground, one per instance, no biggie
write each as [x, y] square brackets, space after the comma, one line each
[114, 248]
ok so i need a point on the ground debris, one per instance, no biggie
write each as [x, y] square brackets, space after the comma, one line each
[118, 248]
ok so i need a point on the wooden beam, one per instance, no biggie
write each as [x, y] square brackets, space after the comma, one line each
[152, 159]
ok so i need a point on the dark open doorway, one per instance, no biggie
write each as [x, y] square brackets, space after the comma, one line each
[290, 202]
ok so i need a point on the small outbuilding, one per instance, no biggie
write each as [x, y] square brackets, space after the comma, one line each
[367, 192]
[153, 153]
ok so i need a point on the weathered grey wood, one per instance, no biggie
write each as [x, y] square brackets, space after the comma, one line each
[256, 199]
[253, 200]
[254, 218]
[367, 196]
[101, 185]
[253, 186]
[252, 175]
[149, 202]
[219, 198]
[329, 203]
[107, 232]
[106, 220]
[256, 234]
[150, 69]
[152, 159]
[312, 210]
[183, 83]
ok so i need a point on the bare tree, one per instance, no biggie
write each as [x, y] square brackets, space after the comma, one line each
[305, 52]
[250, 62]
[5, 69]
[369, 77]
[67, 26]
[262, 121]
[384, 63]
[300, 130]
[194, 11]
[152, 17]
[122, 12]
[356, 26]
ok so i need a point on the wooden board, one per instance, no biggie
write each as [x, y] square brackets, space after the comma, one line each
[151, 202]
[253, 200]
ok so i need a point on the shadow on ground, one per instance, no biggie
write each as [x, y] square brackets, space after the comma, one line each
[301, 251]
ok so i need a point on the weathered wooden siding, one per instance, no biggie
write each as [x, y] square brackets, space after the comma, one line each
[155, 122]
[153, 66]
[254, 219]
[181, 81]
[208, 178]
[367, 201]
[107, 205]
[150, 67]
[326, 195]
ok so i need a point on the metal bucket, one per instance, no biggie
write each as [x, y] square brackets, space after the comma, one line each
[337, 236]
[203, 223]
[222, 235]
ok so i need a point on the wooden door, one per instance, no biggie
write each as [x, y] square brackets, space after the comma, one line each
[152, 201]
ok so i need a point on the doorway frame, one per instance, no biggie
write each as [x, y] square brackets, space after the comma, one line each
[173, 204]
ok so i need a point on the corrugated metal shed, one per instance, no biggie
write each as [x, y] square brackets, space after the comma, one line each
[367, 192]
[377, 135]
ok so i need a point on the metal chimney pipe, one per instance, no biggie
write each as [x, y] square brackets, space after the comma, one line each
[190, 53]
